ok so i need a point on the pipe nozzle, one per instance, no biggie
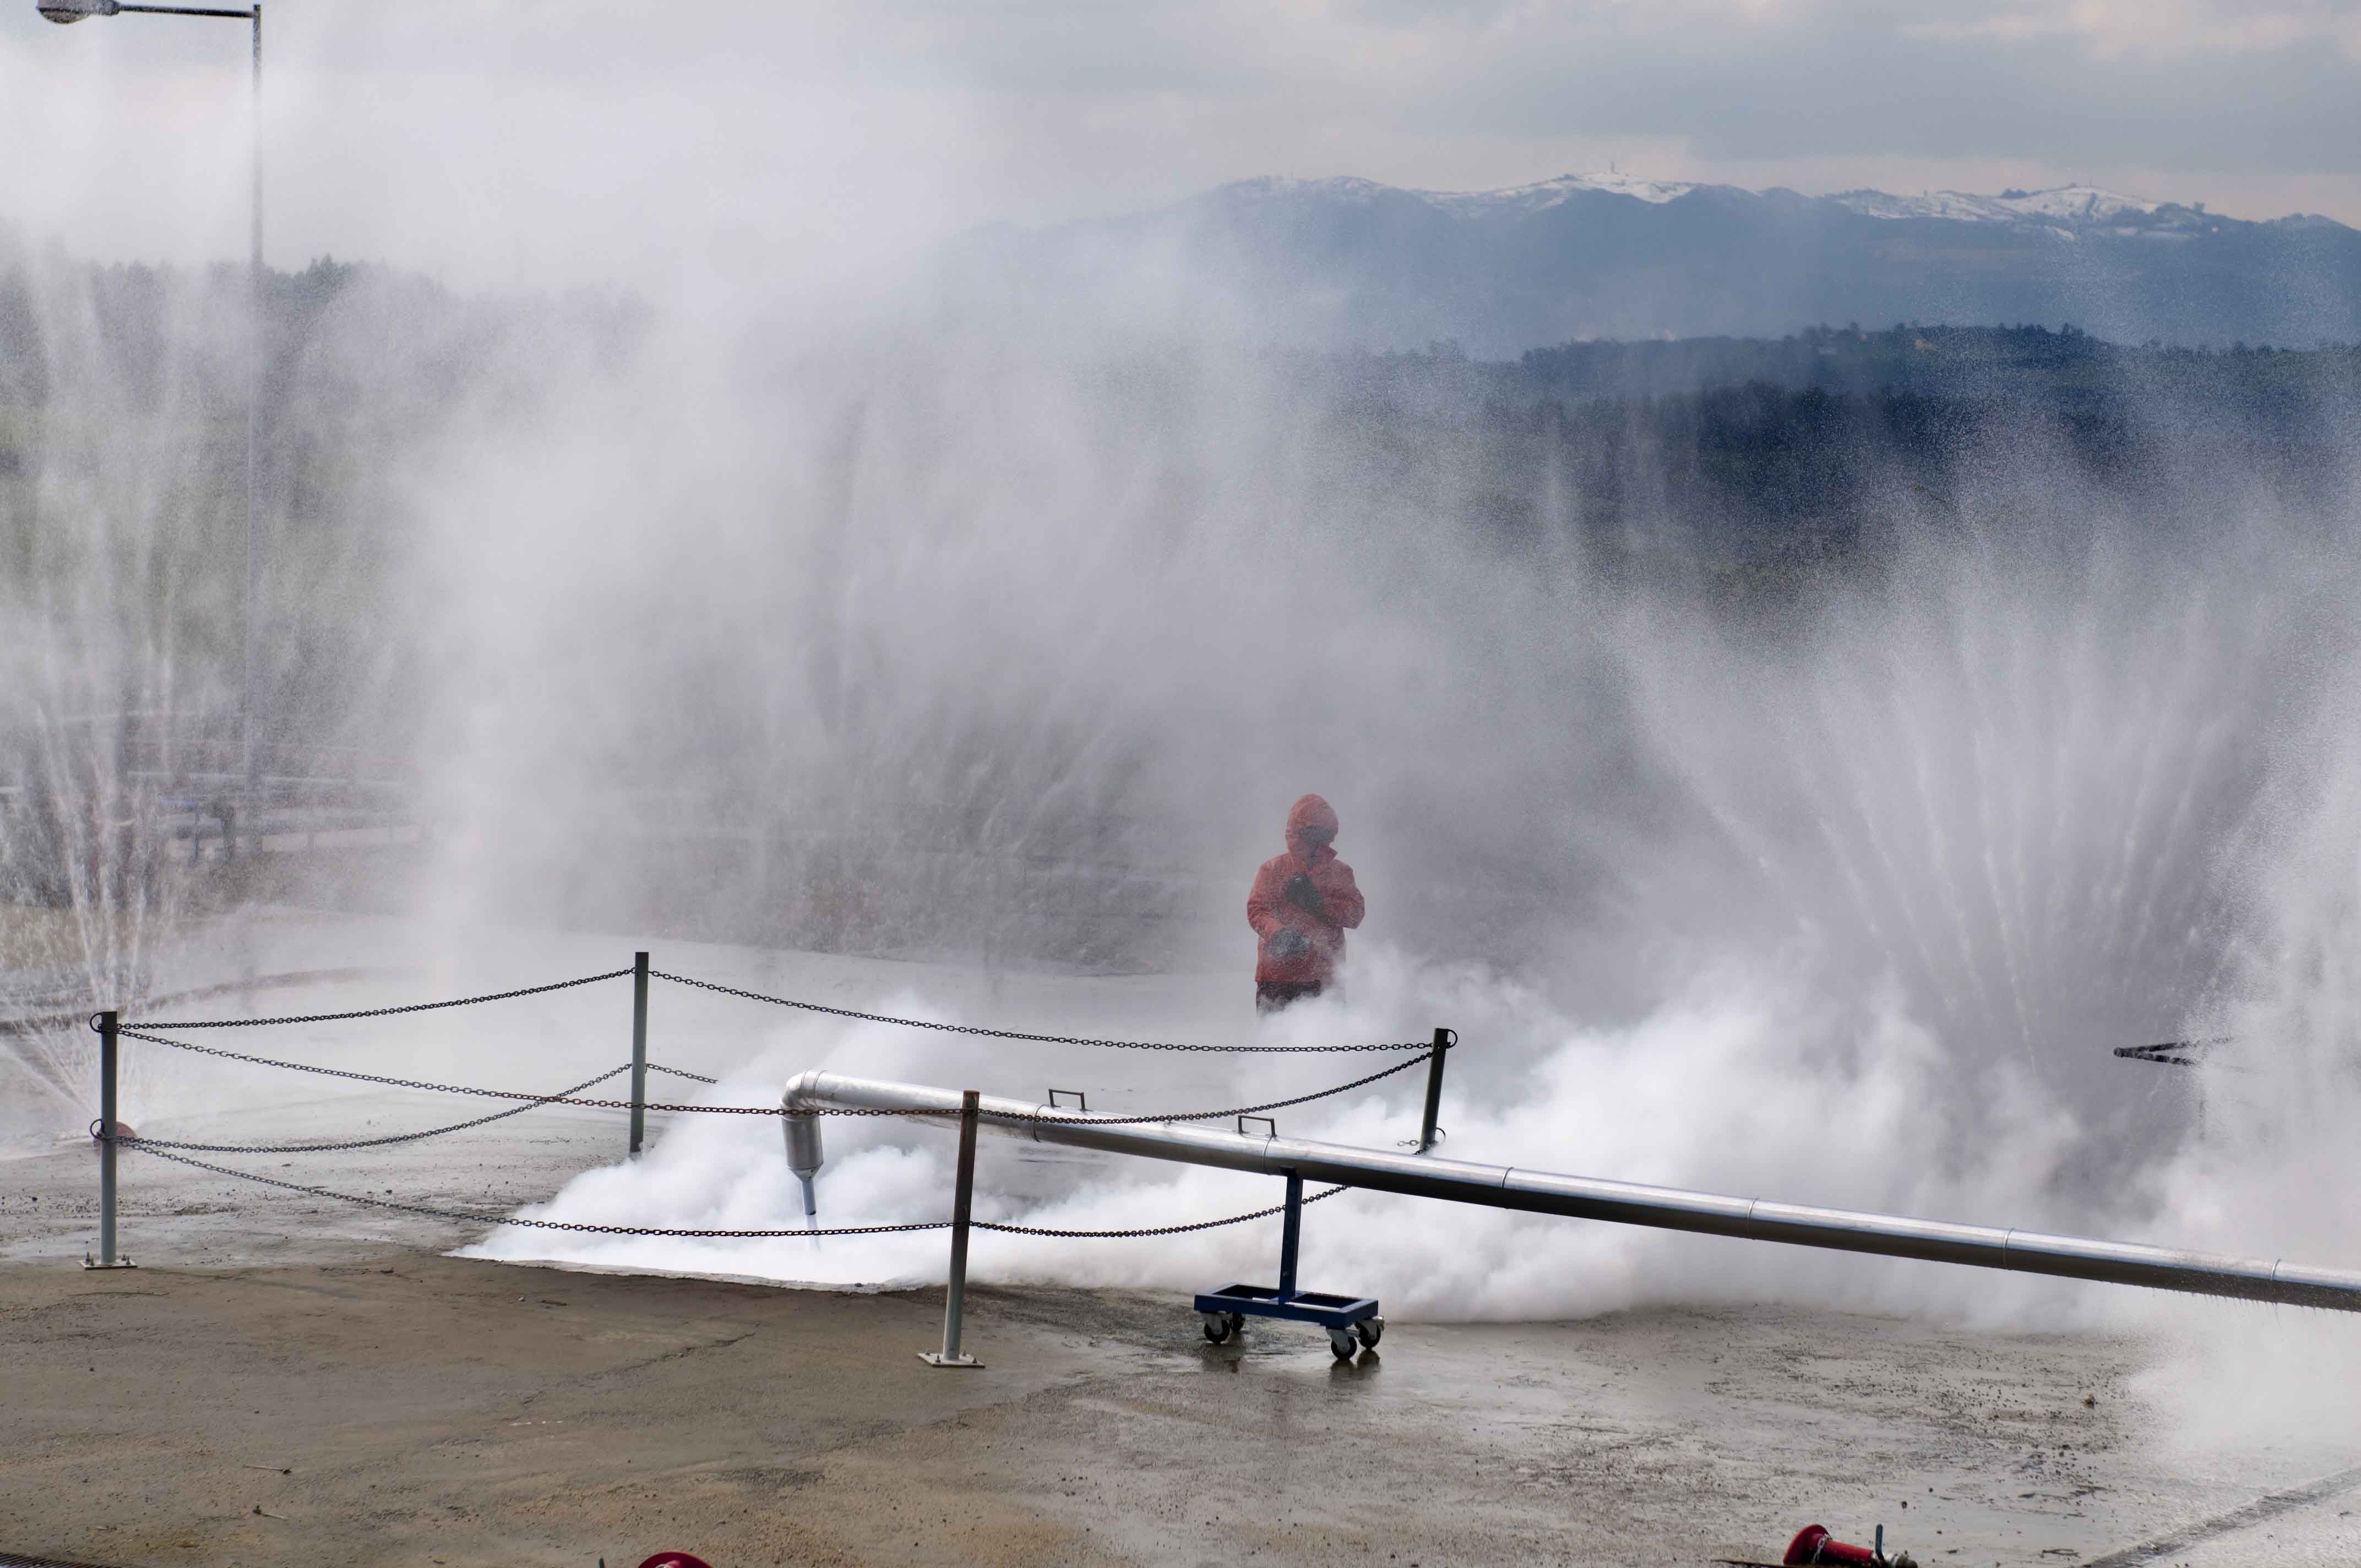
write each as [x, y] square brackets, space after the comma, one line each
[806, 1153]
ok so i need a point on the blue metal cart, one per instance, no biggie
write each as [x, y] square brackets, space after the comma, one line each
[1352, 1322]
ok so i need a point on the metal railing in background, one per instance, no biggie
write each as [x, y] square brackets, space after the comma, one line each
[189, 778]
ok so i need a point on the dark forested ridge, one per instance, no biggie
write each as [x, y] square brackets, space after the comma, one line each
[2060, 366]
[1739, 454]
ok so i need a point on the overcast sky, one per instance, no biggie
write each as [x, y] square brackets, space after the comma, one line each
[656, 143]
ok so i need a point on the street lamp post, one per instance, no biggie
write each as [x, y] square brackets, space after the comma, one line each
[65, 11]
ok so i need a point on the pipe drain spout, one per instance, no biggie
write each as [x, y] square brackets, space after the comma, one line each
[805, 1153]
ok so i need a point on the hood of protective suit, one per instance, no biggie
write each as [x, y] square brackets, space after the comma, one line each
[1310, 811]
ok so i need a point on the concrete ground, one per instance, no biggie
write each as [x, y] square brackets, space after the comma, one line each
[410, 1407]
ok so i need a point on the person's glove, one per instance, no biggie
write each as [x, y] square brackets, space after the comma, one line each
[1304, 896]
[1289, 943]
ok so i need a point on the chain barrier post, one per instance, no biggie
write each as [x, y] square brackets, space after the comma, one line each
[1291, 1235]
[107, 1024]
[1427, 1133]
[639, 1051]
[962, 1203]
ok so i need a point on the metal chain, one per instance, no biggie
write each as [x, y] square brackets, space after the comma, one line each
[974, 1029]
[1155, 1230]
[379, 1011]
[395, 1138]
[158, 1150]
[1021, 1035]
[506, 1219]
[767, 1109]
[490, 1093]
[677, 1072]
[1209, 1115]
[569, 1096]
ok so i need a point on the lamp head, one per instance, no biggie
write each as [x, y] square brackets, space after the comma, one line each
[64, 11]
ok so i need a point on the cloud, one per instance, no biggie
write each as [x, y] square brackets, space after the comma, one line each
[1853, 85]
[2161, 28]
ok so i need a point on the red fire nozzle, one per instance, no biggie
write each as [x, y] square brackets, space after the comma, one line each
[1814, 1544]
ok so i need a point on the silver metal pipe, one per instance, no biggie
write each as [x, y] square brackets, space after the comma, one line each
[1624, 1202]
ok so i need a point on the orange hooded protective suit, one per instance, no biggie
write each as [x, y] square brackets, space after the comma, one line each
[1322, 913]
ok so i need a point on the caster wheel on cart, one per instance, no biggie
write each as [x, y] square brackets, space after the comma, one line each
[1371, 1331]
[1217, 1328]
[1343, 1343]
[1237, 1325]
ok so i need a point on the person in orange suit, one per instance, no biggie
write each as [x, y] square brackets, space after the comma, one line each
[1302, 904]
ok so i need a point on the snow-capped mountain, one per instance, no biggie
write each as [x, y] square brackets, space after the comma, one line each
[2065, 203]
[2061, 206]
[1351, 261]
[1531, 198]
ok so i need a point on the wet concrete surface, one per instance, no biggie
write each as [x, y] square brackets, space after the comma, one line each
[410, 1407]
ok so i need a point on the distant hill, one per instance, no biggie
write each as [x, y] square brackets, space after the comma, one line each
[1346, 263]
[2066, 368]
[1775, 458]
